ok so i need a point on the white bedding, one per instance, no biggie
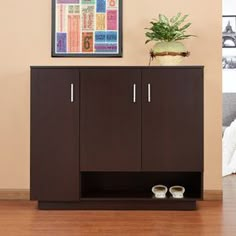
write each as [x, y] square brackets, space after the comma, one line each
[229, 150]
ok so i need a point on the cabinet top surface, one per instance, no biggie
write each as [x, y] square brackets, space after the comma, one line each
[118, 67]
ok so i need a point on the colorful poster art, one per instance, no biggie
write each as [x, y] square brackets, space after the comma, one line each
[106, 47]
[112, 3]
[87, 42]
[74, 9]
[89, 28]
[112, 19]
[73, 33]
[101, 6]
[67, 1]
[88, 13]
[100, 22]
[61, 19]
[88, 1]
[61, 42]
[111, 36]
[100, 36]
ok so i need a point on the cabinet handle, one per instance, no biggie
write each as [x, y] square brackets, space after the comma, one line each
[134, 93]
[72, 92]
[149, 92]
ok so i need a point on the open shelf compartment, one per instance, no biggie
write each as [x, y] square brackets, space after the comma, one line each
[137, 185]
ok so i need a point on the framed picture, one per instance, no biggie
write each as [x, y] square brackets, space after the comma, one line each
[87, 28]
[229, 31]
[229, 62]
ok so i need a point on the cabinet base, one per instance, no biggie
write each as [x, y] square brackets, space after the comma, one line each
[119, 205]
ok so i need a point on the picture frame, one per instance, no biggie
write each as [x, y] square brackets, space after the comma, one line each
[229, 31]
[87, 28]
[228, 62]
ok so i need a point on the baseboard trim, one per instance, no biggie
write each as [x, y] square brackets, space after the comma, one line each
[213, 195]
[14, 194]
[24, 194]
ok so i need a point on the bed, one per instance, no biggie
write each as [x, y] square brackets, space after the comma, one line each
[229, 134]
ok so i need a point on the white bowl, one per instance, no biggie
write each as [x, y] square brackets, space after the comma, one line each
[177, 191]
[159, 191]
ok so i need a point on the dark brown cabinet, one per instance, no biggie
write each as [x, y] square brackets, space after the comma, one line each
[110, 121]
[101, 137]
[54, 162]
[172, 119]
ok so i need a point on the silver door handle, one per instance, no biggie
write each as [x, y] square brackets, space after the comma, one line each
[71, 92]
[149, 92]
[134, 93]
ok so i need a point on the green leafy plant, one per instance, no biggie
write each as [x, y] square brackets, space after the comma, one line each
[164, 29]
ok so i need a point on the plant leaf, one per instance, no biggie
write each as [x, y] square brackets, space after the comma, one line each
[180, 21]
[175, 18]
[165, 19]
[185, 26]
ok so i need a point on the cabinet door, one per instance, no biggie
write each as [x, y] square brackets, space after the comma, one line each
[110, 120]
[172, 119]
[54, 135]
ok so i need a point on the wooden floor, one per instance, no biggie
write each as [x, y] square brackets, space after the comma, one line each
[213, 218]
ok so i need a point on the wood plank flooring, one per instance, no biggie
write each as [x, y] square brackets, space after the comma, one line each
[213, 218]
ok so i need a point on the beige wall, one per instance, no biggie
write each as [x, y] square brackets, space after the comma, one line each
[25, 40]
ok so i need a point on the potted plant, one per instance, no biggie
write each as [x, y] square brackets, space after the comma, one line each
[168, 33]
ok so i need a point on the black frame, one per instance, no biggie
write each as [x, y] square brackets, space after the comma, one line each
[120, 40]
[229, 35]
